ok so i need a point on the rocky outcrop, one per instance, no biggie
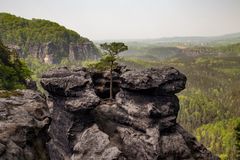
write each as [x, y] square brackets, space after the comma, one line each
[77, 122]
[140, 123]
[47, 41]
[82, 51]
[156, 81]
[101, 81]
[53, 53]
[72, 100]
[24, 118]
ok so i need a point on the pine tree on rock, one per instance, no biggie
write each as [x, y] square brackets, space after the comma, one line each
[109, 58]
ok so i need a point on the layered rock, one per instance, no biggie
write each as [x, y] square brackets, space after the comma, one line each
[24, 118]
[73, 98]
[82, 51]
[140, 123]
[53, 53]
[101, 82]
[157, 81]
[47, 41]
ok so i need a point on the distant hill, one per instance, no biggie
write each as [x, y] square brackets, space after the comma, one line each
[187, 41]
[44, 39]
[214, 40]
[156, 49]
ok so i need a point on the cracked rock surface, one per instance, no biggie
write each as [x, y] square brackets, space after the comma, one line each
[24, 117]
[138, 124]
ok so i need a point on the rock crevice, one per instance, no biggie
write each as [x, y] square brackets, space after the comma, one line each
[140, 123]
[77, 122]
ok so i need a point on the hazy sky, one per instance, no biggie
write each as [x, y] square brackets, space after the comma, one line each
[133, 19]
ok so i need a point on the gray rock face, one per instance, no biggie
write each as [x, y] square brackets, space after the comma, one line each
[157, 81]
[82, 51]
[92, 142]
[64, 82]
[73, 99]
[140, 123]
[101, 82]
[51, 53]
[24, 117]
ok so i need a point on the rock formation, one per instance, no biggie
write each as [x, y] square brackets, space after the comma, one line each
[24, 118]
[140, 123]
[51, 53]
[77, 122]
[47, 41]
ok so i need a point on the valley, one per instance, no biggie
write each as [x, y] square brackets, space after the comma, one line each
[209, 106]
[210, 103]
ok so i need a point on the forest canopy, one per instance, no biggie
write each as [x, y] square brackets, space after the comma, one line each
[13, 71]
[24, 32]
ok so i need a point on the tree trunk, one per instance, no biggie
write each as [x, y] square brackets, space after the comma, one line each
[111, 81]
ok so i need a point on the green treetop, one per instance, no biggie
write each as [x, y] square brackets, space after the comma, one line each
[13, 71]
[109, 58]
[111, 51]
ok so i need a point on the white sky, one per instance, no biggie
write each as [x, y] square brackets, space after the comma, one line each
[134, 19]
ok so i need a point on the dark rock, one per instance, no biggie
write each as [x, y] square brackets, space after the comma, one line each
[155, 81]
[198, 150]
[141, 112]
[2, 149]
[65, 129]
[173, 146]
[87, 100]
[139, 145]
[120, 69]
[23, 121]
[94, 144]
[140, 123]
[65, 82]
[30, 84]
[101, 81]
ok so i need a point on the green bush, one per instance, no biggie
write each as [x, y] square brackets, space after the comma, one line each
[219, 137]
[26, 33]
[13, 71]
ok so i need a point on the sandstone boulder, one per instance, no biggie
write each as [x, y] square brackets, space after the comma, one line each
[154, 81]
[65, 82]
[139, 123]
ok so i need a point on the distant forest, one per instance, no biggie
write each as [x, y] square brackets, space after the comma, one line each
[23, 31]
[209, 106]
[13, 71]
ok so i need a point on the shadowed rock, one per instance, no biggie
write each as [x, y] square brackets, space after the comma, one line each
[65, 82]
[155, 81]
[140, 123]
[92, 142]
[24, 117]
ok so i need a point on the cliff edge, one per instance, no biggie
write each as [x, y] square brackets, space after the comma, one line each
[47, 41]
